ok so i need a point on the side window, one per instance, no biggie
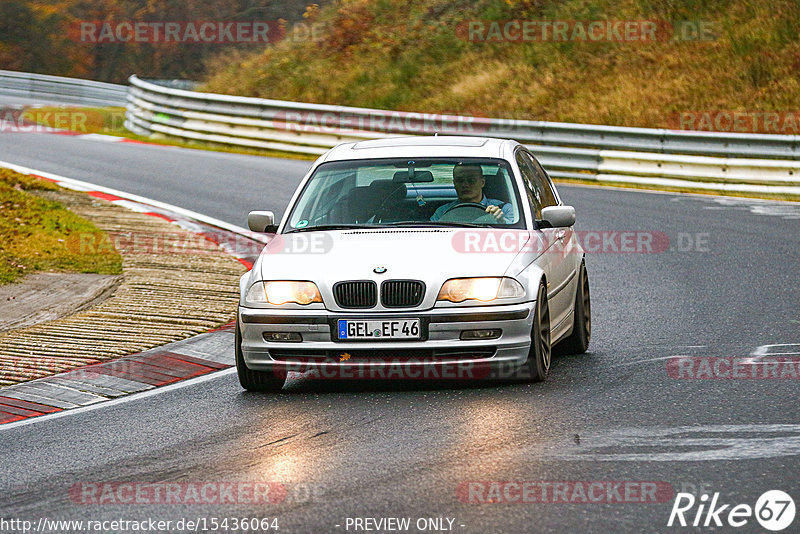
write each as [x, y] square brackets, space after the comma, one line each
[531, 189]
[541, 182]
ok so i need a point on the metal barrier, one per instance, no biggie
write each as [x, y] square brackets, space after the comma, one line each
[60, 89]
[746, 162]
[743, 162]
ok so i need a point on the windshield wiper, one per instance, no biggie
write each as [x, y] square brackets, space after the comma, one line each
[332, 227]
[435, 224]
[423, 224]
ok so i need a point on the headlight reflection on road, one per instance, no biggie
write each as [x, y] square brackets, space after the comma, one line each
[487, 422]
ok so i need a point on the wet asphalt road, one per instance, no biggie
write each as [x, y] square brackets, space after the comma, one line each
[726, 285]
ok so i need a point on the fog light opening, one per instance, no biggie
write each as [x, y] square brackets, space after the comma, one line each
[477, 335]
[284, 337]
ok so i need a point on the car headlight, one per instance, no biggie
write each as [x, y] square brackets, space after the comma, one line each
[283, 291]
[485, 289]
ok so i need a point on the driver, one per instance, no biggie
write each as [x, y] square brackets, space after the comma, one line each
[469, 181]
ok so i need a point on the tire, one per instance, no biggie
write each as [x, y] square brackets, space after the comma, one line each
[260, 381]
[578, 341]
[539, 356]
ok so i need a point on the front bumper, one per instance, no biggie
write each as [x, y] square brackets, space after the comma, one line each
[441, 354]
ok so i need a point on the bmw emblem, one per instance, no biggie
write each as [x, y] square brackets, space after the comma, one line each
[379, 270]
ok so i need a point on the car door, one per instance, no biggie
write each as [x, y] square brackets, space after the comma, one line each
[572, 250]
[534, 196]
[561, 267]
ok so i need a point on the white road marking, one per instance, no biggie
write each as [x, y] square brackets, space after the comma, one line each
[101, 137]
[660, 358]
[120, 400]
[753, 358]
[764, 350]
[785, 210]
[80, 185]
[681, 443]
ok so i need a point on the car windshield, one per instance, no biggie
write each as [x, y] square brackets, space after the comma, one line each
[408, 192]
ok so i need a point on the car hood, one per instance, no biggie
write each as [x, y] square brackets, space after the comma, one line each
[429, 254]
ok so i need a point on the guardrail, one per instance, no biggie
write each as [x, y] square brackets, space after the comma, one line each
[711, 160]
[61, 89]
[743, 162]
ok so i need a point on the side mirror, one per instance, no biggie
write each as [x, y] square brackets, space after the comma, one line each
[261, 221]
[559, 216]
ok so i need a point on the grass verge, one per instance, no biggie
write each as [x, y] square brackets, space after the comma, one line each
[36, 234]
[423, 56]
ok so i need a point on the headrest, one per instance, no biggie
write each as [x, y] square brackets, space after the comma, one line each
[495, 187]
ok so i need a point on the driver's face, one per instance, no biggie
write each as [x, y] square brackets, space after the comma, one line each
[469, 183]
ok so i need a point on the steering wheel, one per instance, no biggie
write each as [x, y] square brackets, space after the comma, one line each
[468, 211]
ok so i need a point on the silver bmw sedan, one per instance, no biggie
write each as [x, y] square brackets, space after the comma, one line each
[415, 258]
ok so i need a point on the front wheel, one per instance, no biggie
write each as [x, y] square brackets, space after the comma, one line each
[539, 355]
[578, 340]
[250, 380]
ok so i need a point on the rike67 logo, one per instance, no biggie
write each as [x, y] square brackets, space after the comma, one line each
[774, 510]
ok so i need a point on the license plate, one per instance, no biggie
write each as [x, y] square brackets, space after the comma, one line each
[382, 329]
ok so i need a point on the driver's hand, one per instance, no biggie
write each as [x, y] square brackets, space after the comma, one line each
[495, 212]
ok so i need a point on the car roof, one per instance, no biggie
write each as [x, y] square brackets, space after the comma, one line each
[421, 146]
